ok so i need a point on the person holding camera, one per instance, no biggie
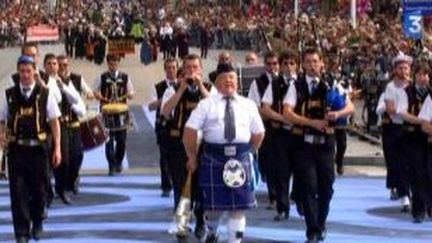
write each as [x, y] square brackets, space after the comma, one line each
[178, 102]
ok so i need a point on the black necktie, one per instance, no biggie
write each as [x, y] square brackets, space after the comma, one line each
[25, 92]
[230, 130]
[314, 84]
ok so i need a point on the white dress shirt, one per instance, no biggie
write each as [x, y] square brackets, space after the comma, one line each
[398, 95]
[291, 96]
[254, 94]
[153, 94]
[74, 99]
[52, 109]
[208, 117]
[268, 94]
[426, 110]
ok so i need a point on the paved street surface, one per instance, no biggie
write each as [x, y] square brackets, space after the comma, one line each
[128, 208]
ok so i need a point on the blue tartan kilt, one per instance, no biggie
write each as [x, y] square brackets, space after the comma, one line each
[215, 194]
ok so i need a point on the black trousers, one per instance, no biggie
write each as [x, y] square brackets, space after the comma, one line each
[394, 156]
[115, 149]
[27, 182]
[267, 168]
[341, 145]
[166, 180]
[177, 160]
[314, 168]
[416, 168]
[76, 156]
[204, 49]
[69, 47]
[281, 157]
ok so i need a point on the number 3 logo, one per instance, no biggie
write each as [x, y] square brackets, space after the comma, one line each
[416, 24]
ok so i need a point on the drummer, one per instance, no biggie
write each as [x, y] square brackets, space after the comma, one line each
[114, 86]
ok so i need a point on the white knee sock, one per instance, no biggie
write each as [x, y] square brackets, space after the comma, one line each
[236, 227]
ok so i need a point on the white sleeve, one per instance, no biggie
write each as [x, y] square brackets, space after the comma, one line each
[54, 88]
[130, 87]
[167, 95]
[389, 93]
[381, 105]
[426, 110]
[198, 116]
[153, 95]
[291, 96]
[53, 110]
[71, 93]
[79, 108]
[4, 110]
[268, 95]
[257, 125]
[253, 94]
[97, 84]
[85, 87]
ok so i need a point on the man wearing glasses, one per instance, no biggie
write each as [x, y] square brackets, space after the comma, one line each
[256, 93]
[280, 132]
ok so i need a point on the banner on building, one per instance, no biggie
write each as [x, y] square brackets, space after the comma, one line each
[42, 32]
[121, 45]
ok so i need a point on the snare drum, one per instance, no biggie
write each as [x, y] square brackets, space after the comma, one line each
[116, 116]
[93, 132]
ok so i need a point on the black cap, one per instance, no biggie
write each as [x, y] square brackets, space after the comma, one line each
[224, 68]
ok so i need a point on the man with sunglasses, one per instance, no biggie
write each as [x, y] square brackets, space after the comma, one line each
[114, 86]
[256, 93]
[73, 111]
[282, 139]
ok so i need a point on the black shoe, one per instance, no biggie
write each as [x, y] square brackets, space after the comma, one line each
[394, 195]
[111, 172]
[281, 216]
[119, 169]
[271, 205]
[212, 238]
[182, 238]
[300, 209]
[340, 170]
[418, 220]
[65, 198]
[37, 230]
[166, 193]
[22, 239]
[200, 230]
[322, 234]
[75, 186]
[313, 238]
[405, 209]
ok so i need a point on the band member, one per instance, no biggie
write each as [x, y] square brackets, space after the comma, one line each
[77, 80]
[161, 126]
[177, 105]
[393, 94]
[256, 93]
[224, 57]
[70, 98]
[283, 141]
[26, 108]
[77, 109]
[251, 59]
[415, 141]
[305, 106]
[232, 129]
[114, 86]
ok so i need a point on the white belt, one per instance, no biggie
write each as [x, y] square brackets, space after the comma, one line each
[314, 139]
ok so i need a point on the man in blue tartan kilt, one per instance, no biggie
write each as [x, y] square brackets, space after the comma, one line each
[232, 129]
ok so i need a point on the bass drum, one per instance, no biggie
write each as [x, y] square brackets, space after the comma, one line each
[93, 131]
